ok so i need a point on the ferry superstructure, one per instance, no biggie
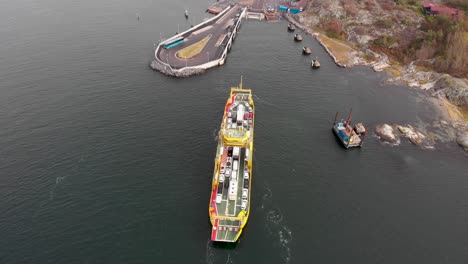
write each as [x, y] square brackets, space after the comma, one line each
[229, 206]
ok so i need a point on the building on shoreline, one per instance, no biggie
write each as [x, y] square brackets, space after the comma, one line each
[436, 10]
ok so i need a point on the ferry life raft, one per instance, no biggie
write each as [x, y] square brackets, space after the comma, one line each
[229, 205]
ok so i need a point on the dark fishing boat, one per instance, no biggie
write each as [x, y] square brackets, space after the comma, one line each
[297, 37]
[315, 64]
[306, 50]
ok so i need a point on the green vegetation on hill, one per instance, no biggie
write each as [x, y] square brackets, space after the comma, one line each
[441, 43]
[460, 4]
[398, 28]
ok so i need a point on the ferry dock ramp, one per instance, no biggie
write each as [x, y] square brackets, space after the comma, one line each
[201, 47]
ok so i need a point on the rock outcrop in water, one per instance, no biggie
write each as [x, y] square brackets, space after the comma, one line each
[386, 133]
[412, 134]
[427, 135]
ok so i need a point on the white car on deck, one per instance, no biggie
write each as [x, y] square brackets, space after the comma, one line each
[219, 198]
[221, 178]
[245, 193]
[244, 204]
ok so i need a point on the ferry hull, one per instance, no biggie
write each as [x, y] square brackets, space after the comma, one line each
[229, 205]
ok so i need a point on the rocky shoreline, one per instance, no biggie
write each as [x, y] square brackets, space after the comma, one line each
[448, 92]
[293, 21]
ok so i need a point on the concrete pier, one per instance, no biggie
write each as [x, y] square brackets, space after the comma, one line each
[222, 30]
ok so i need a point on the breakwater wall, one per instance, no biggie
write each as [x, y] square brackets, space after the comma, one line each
[165, 68]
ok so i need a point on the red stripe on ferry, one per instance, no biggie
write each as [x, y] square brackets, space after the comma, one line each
[214, 231]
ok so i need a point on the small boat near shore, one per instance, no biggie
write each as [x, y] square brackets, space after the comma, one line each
[348, 135]
[315, 64]
[291, 27]
[186, 14]
[306, 50]
[297, 37]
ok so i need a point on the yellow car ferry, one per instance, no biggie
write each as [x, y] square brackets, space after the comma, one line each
[230, 195]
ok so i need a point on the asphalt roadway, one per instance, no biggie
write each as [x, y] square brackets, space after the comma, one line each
[213, 49]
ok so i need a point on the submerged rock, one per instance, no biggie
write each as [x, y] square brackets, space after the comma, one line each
[386, 133]
[462, 139]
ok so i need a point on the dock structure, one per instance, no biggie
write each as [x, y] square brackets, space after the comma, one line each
[201, 47]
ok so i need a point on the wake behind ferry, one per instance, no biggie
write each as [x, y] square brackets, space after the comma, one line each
[230, 195]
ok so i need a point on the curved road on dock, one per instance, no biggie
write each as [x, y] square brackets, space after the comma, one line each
[211, 51]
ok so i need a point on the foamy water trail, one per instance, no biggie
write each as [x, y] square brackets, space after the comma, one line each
[216, 134]
[209, 257]
[214, 255]
[229, 259]
[276, 227]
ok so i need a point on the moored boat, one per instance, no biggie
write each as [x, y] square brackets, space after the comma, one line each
[348, 135]
[297, 37]
[306, 50]
[315, 64]
[231, 185]
[291, 27]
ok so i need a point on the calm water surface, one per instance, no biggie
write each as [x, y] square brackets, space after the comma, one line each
[103, 160]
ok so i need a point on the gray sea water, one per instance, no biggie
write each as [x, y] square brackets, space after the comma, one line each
[103, 160]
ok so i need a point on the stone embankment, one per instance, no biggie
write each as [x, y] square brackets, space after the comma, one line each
[167, 70]
[309, 31]
[342, 54]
